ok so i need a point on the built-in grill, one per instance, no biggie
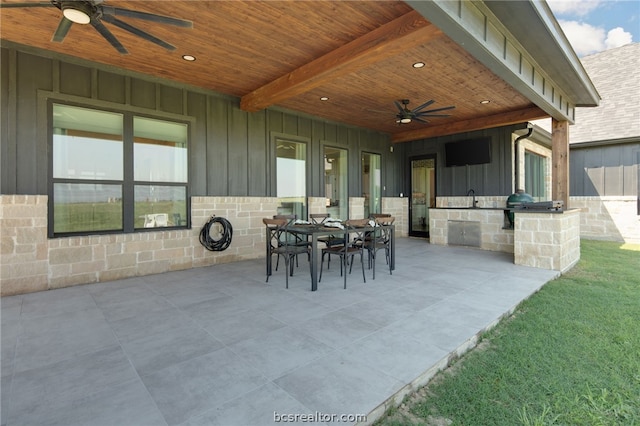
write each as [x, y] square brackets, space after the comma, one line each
[543, 205]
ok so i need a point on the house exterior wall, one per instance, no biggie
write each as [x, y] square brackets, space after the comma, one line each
[31, 262]
[231, 171]
[231, 152]
[610, 218]
[491, 179]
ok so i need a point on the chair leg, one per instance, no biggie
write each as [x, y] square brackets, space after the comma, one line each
[373, 259]
[321, 265]
[362, 264]
[344, 260]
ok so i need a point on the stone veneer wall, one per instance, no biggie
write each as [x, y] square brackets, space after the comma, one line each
[398, 208]
[32, 262]
[356, 207]
[608, 218]
[547, 240]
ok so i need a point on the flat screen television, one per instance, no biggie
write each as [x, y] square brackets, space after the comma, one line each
[468, 152]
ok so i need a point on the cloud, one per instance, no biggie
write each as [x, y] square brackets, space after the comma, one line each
[584, 38]
[618, 37]
[573, 7]
[587, 39]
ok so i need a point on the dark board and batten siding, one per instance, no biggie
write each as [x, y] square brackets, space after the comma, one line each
[607, 170]
[491, 179]
[231, 151]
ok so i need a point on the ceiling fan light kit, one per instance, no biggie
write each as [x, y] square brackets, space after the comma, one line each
[77, 12]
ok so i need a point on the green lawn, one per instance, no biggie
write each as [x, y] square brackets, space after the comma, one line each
[570, 355]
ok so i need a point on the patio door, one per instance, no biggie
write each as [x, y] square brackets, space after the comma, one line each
[423, 194]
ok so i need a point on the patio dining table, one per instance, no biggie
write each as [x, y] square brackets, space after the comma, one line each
[315, 231]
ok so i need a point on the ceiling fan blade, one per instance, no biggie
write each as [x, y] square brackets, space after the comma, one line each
[400, 108]
[62, 30]
[11, 5]
[420, 120]
[104, 32]
[424, 105]
[433, 115]
[437, 109]
[116, 11]
[138, 32]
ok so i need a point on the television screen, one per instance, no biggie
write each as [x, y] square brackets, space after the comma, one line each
[468, 152]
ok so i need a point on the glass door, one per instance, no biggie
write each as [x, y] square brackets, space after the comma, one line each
[423, 194]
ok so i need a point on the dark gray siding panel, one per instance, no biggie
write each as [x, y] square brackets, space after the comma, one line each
[7, 124]
[230, 150]
[607, 170]
[237, 158]
[257, 154]
[75, 80]
[143, 93]
[489, 179]
[217, 147]
[34, 73]
[171, 99]
[111, 87]
[197, 108]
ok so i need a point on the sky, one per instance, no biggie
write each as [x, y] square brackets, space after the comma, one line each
[593, 26]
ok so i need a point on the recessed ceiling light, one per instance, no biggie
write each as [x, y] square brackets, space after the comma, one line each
[485, 101]
[324, 98]
[189, 58]
[418, 65]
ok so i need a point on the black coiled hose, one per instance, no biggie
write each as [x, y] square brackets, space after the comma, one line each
[224, 240]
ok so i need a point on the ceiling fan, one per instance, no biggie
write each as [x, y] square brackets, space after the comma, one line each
[406, 115]
[94, 12]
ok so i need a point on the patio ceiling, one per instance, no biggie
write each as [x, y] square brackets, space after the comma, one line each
[289, 54]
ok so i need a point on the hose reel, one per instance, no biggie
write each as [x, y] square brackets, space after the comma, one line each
[216, 234]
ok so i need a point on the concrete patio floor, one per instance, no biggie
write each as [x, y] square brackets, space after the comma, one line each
[219, 346]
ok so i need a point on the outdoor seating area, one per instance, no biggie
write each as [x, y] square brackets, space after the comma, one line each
[288, 237]
[220, 346]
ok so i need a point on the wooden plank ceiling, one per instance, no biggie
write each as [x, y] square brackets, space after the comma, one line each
[358, 54]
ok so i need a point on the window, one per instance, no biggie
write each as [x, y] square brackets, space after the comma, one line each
[104, 181]
[371, 183]
[291, 169]
[534, 173]
[335, 182]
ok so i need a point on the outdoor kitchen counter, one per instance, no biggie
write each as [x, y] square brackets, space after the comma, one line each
[542, 239]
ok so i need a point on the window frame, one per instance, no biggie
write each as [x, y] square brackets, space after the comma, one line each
[535, 171]
[128, 183]
[361, 181]
[273, 170]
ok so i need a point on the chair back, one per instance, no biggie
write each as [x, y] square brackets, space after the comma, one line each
[289, 217]
[318, 218]
[377, 215]
[276, 228]
[385, 233]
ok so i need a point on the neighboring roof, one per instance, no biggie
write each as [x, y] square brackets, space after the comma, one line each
[616, 75]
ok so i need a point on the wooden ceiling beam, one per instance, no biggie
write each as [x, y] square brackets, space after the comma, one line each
[390, 39]
[480, 123]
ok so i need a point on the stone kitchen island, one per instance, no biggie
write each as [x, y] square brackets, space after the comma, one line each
[538, 238]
